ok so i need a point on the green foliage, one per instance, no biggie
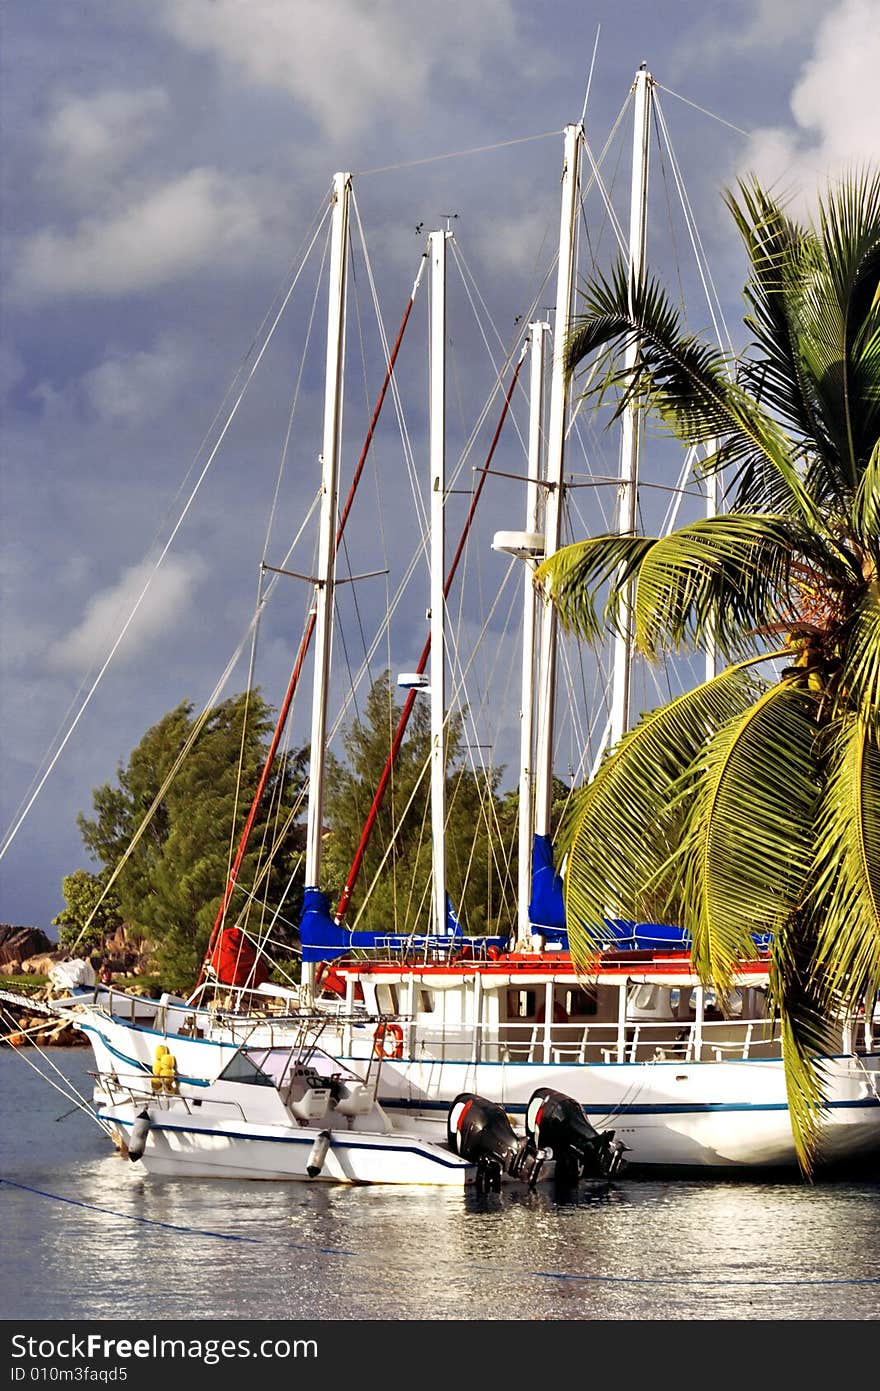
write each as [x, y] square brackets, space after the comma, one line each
[759, 803]
[481, 827]
[91, 912]
[170, 888]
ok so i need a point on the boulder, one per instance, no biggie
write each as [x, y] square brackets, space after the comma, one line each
[17, 944]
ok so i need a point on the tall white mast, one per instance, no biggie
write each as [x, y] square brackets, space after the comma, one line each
[537, 335]
[631, 432]
[553, 504]
[437, 245]
[711, 511]
[327, 525]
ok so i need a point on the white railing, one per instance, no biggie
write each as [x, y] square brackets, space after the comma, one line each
[606, 1042]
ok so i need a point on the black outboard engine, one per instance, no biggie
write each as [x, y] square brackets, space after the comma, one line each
[480, 1131]
[556, 1123]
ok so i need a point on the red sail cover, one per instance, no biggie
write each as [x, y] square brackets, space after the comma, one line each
[234, 960]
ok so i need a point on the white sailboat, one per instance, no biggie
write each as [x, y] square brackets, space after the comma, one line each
[637, 1045]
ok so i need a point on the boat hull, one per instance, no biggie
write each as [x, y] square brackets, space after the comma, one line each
[708, 1115]
[178, 1148]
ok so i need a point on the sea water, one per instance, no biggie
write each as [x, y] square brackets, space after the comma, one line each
[87, 1235]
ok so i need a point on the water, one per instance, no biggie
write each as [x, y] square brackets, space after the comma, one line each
[670, 1250]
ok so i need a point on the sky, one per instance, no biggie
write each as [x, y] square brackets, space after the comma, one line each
[163, 166]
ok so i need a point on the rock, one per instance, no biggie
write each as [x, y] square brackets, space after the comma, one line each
[17, 944]
[41, 964]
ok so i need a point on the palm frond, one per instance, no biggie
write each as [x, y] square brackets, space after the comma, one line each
[777, 377]
[574, 574]
[746, 846]
[859, 683]
[618, 825]
[805, 1011]
[688, 383]
[846, 888]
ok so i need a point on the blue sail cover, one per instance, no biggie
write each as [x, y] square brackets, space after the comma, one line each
[324, 939]
[547, 915]
[546, 906]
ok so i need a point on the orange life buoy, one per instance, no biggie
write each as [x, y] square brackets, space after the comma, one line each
[388, 1041]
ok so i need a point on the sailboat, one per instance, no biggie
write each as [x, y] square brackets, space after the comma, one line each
[639, 1045]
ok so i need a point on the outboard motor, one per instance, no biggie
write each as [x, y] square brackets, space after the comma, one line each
[480, 1131]
[557, 1123]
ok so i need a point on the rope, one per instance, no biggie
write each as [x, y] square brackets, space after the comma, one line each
[573, 1276]
[457, 154]
[11, 834]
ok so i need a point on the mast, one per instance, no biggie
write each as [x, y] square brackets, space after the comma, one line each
[630, 440]
[326, 549]
[437, 254]
[711, 511]
[537, 334]
[553, 505]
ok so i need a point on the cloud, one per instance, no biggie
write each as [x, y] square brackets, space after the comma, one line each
[192, 221]
[91, 640]
[834, 105]
[128, 388]
[89, 139]
[347, 60]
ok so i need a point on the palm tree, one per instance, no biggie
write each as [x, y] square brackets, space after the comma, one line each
[757, 795]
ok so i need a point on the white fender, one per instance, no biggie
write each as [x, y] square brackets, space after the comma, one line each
[139, 1131]
[317, 1154]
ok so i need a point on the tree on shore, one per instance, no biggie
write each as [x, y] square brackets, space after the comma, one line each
[91, 912]
[774, 779]
[171, 885]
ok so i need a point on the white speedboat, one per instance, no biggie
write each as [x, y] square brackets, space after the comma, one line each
[269, 1116]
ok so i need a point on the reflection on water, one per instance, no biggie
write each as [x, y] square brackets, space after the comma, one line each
[676, 1249]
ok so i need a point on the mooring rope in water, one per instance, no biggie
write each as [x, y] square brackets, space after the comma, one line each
[574, 1277]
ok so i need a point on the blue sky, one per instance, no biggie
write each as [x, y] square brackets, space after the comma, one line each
[162, 164]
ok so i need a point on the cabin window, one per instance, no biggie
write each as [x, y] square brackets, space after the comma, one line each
[581, 1002]
[386, 999]
[645, 997]
[241, 1068]
[521, 1004]
[425, 1001]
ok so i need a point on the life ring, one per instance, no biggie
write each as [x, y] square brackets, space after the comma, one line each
[388, 1041]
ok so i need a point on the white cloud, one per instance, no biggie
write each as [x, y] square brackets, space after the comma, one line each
[834, 104]
[90, 138]
[128, 388]
[190, 222]
[169, 592]
[344, 60]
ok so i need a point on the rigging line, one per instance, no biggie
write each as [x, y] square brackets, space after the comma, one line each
[590, 74]
[309, 238]
[36, 786]
[188, 743]
[269, 527]
[508, 352]
[68, 1091]
[721, 120]
[606, 199]
[454, 696]
[713, 299]
[410, 700]
[488, 806]
[456, 154]
[142, 595]
[310, 626]
[400, 414]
